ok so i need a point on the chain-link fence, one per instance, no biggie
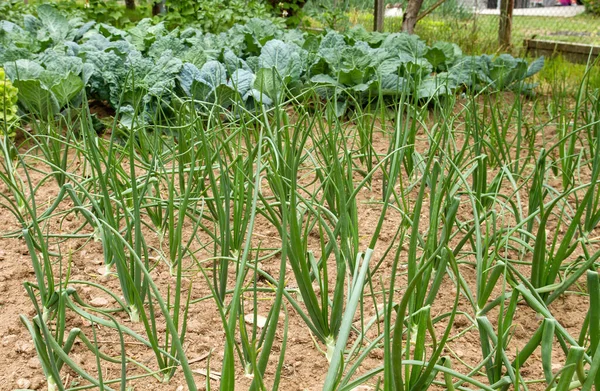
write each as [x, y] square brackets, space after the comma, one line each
[474, 24]
[555, 20]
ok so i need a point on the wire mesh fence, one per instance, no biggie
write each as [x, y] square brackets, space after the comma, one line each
[474, 24]
[556, 20]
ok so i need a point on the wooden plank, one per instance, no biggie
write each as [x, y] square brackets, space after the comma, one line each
[574, 52]
[563, 46]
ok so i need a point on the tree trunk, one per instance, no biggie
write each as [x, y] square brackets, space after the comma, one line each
[130, 4]
[379, 15]
[504, 30]
[411, 16]
[158, 8]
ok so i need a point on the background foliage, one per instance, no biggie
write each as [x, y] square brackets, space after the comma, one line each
[592, 6]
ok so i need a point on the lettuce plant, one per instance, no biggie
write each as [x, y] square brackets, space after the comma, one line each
[8, 105]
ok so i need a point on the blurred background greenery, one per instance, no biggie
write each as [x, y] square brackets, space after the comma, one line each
[451, 20]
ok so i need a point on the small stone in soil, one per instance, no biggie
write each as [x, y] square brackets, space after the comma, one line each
[37, 383]
[23, 347]
[194, 326]
[34, 363]
[23, 383]
[7, 340]
[99, 302]
[261, 321]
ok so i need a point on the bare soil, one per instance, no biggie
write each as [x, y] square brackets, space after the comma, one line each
[305, 365]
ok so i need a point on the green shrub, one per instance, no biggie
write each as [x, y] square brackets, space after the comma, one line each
[13, 10]
[8, 105]
[592, 6]
[214, 16]
[331, 16]
[289, 9]
[113, 12]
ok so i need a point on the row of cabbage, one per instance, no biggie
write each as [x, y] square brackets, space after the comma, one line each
[55, 62]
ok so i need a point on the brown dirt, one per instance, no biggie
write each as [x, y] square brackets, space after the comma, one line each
[305, 366]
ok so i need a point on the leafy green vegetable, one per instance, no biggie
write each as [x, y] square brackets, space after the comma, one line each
[53, 26]
[67, 88]
[37, 98]
[44, 91]
[52, 59]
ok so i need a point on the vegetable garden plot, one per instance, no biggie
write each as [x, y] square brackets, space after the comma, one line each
[316, 234]
[203, 247]
[149, 70]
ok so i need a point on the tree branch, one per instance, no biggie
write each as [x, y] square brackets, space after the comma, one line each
[430, 10]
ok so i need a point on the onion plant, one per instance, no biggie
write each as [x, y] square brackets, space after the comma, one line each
[458, 185]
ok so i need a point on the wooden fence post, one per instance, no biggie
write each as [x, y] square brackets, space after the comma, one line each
[504, 30]
[379, 14]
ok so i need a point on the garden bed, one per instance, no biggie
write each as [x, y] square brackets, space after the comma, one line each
[271, 209]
